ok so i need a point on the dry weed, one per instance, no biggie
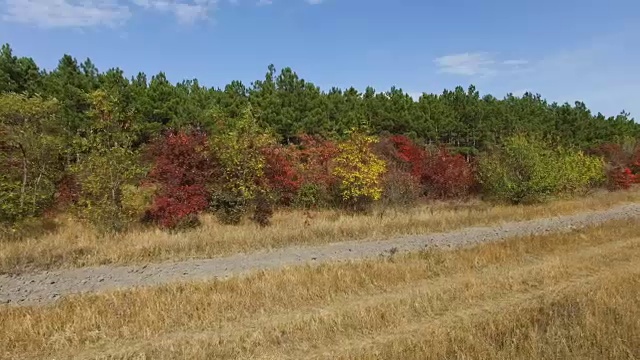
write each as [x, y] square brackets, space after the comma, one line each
[76, 245]
[574, 295]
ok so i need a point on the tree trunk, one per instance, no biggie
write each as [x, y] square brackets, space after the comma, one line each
[23, 190]
[36, 188]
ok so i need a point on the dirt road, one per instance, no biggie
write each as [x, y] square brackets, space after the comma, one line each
[48, 286]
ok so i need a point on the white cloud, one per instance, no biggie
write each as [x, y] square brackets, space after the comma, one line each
[601, 71]
[477, 64]
[111, 13]
[66, 13]
[91, 13]
[186, 12]
[515, 62]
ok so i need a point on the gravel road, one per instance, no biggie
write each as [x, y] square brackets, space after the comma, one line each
[48, 286]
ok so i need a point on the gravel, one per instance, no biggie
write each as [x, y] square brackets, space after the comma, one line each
[49, 286]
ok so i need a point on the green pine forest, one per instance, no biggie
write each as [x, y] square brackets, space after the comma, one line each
[290, 105]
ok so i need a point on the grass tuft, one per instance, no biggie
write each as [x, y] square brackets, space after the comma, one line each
[571, 296]
[76, 245]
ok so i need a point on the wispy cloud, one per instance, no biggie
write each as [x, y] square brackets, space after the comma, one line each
[186, 12]
[601, 71]
[515, 62]
[476, 64]
[66, 13]
[466, 64]
[110, 13]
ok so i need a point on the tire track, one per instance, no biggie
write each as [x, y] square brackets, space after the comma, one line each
[48, 286]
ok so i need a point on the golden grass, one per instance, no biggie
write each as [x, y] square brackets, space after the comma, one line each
[561, 296]
[75, 245]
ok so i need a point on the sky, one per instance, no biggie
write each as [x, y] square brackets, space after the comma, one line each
[566, 50]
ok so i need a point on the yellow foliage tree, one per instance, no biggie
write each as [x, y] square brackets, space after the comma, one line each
[359, 170]
[241, 172]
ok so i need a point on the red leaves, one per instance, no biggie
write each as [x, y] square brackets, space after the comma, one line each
[181, 170]
[447, 176]
[441, 174]
[180, 159]
[280, 172]
[170, 209]
[408, 152]
[624, 166]
[636, 165]
[315, 156]
[613, 154]
[622, 179]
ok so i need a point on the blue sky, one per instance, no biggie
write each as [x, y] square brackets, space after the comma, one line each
[566, 49]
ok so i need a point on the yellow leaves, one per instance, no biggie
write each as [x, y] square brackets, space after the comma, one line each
[529, 170]
[359, 169]
[237, 150]
[580, 171]
[18, 109]
[136, 199]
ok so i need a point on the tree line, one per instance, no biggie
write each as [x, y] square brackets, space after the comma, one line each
[116, 151]
[288, 105]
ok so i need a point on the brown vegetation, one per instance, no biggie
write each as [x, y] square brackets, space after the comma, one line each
[568, 296]
[76, 245]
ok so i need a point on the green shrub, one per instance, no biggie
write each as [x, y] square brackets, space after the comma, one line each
[136, 200]
[527, 170]
[103, 177]
[106, 166]
[579, 172]
[229, 207]
[20, 200]
[315, 196]
[240, 164]
[10, 209]
[238, 157]
[30, 153]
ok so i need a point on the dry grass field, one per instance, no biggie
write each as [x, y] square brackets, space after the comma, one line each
[558, 296]
[75, 245]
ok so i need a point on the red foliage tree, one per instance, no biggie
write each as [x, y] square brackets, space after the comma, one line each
[623, 167]
[635, 165]
[315, 155]
[441, 174]
[613, 154]
[181, 170]
[281, 174]
[405, 161]
[408, 152]
[172, 208]
[446, 175]
[621, 179]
